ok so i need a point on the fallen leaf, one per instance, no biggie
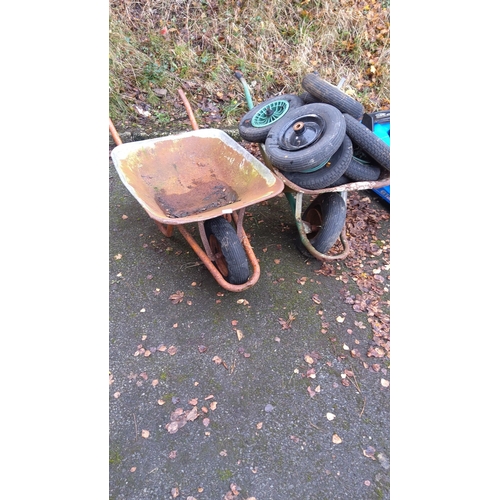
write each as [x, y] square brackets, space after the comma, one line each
[213, 405]
[193, 401]
[161, 402]
[145, 433]
[118, 256]
[384, 382]
[172, 350]
[206, 422]
[336, 439]
[311, 391]
[133, 469]
[259, 425]
[223, 453]
[174, 492]
[340, 319]
[192, 414]
[308, 359]
[239, 334]
[161, 348]
[330, 416]
[177, 297]
[217, 360]
[202, 348]
[369, 452]
[316, 299]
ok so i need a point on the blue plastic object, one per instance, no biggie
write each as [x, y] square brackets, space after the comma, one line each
[380, 125]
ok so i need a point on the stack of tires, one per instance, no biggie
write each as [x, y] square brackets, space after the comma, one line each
[311, 139]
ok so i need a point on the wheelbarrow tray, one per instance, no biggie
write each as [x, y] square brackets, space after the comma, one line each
[193, 176]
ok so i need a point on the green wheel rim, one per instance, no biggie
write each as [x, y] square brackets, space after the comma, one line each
[270, 113]
[315, 168]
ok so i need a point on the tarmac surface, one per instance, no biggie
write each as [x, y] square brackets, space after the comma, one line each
[273, 393]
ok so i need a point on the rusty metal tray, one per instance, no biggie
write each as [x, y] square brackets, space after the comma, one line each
[193, 176]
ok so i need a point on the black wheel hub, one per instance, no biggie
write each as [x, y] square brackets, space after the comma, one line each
[301, 132]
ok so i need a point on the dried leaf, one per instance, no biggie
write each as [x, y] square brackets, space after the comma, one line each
[177, 297]
[384, 382]
[217, 360]
[239, 334]
[213, 405]
[193, 401]
[330, 416]
[316, 299]
[202, 348]
[336, 439]
[311, 392]
[174, 492]
[206, 422]
[145, 433]
[172, 350]
[259, 425]
[308, 359]
[192, 414]
[369, 452]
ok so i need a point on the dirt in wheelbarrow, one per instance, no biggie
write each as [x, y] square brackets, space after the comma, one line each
[203, 196]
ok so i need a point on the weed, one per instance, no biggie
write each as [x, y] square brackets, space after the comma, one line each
[201, 45]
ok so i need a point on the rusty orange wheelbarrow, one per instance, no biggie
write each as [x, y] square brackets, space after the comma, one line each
[205, 177]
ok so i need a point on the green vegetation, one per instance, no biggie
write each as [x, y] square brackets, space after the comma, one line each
[159, 46]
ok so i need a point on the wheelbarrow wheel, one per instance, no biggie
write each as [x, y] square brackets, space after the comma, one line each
[306, 138]
[327, 175]
[326, 92]
[367, 141]
[256, 123]
[229, 254]
[326, 217]
[362, 171]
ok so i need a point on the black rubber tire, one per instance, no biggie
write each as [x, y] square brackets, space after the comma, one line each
[328, 211]
[327, 175]
[367, 141]
[252, 133]
[328, 139]
[340, 181]
[230, 257]
[326, 92]
[308, 98]
[358, 171]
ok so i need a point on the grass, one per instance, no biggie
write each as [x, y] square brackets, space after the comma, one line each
[158, 45]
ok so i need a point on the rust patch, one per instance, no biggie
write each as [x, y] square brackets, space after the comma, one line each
[203, 196]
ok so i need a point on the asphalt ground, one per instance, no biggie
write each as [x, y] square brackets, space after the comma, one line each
[270, 393]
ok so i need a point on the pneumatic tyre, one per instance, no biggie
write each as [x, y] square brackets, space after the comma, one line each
[367, 141]
[256, 123]
[230, 257]
[326, 92]
[361, 171]
[326, 215]
[328, 174]
[306, 138]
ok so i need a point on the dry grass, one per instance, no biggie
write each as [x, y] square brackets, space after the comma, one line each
[273, 43]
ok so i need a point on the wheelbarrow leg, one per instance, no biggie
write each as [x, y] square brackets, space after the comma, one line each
[166, 230]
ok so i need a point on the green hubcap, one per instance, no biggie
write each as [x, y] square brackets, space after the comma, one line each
[270, 113]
